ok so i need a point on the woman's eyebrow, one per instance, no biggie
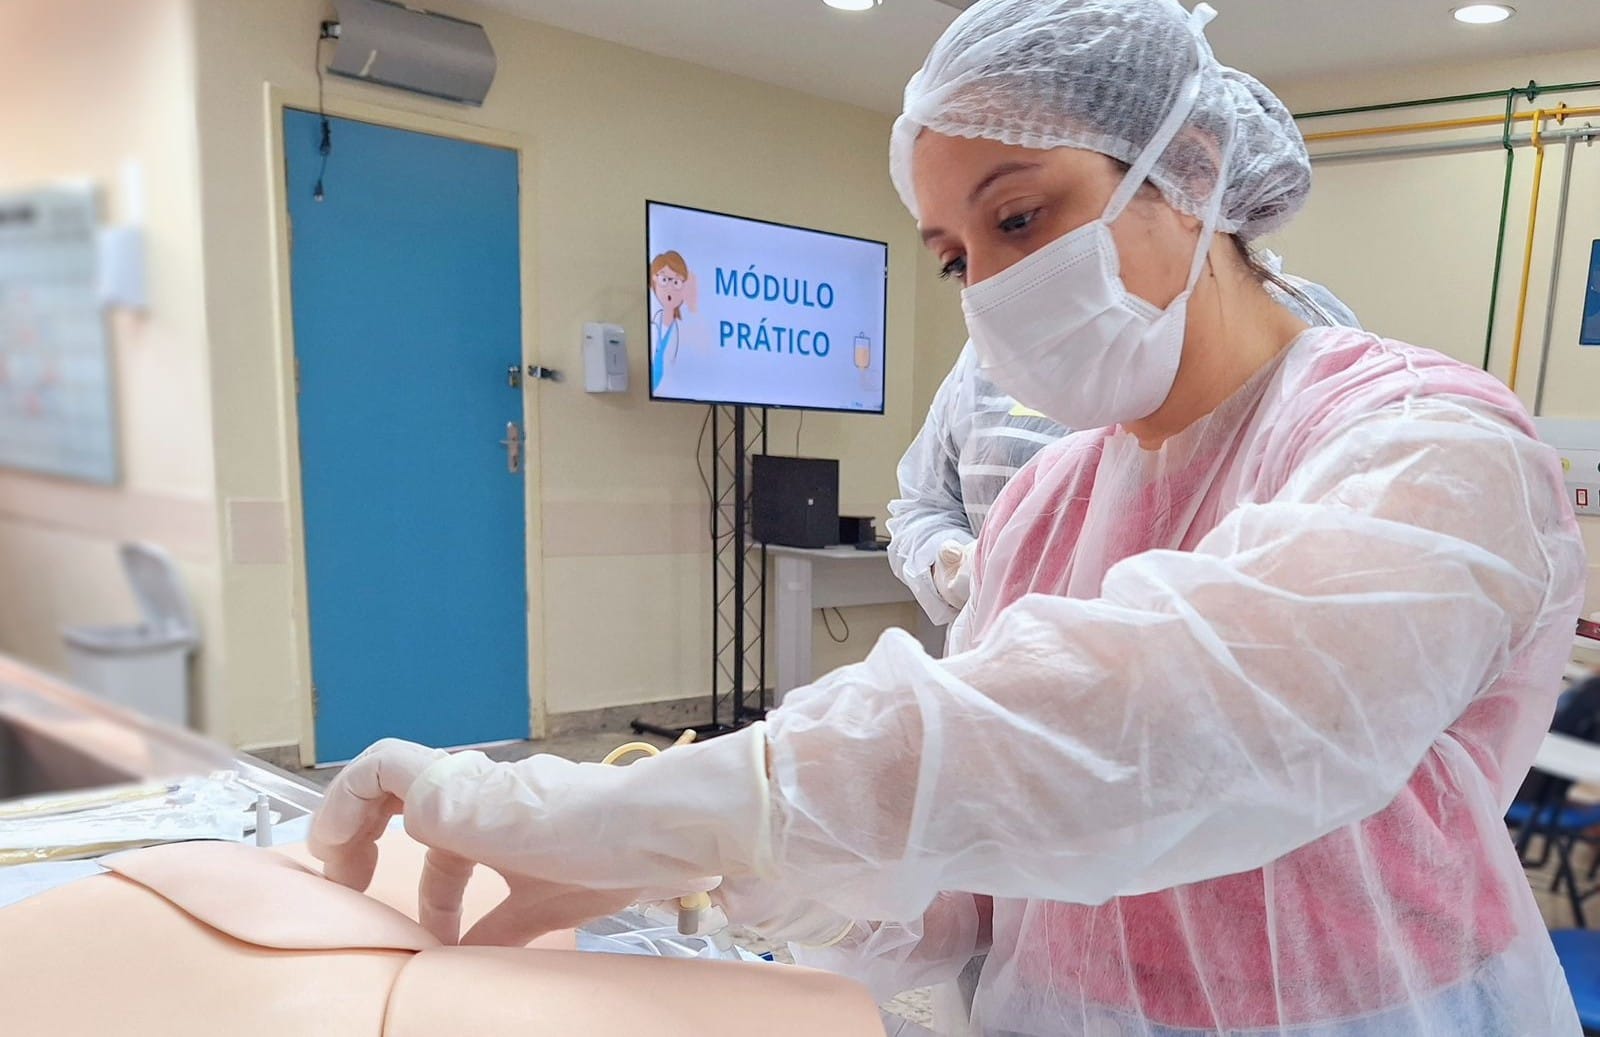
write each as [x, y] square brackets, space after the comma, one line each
[997, 174]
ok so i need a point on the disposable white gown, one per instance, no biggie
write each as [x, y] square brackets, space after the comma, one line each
[1245, 713]
[976, 438]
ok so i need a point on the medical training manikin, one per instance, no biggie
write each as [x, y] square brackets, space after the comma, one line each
[212, 938]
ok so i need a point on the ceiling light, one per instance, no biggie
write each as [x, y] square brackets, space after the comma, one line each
[1483, 14]
[853, 5]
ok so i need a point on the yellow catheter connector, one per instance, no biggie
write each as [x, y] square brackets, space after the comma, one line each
[623, 751]
[689, 909]
[691, 906]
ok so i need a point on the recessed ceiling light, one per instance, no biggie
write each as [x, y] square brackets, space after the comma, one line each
[853, 5]
[1483, 14]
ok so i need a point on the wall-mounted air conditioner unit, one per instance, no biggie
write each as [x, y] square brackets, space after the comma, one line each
[411, 49]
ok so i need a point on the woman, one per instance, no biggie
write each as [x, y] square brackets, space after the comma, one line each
[1249, 671]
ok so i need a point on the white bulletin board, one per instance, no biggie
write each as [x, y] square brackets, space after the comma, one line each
[56, 395]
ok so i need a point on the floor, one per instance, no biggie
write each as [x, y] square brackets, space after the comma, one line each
[1557, 907]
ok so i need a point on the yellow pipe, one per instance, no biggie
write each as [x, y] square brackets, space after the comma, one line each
[1409, 127]
[1443, 124]
[1527, 255]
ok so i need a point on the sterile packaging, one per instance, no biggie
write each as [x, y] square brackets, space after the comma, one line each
[92, 822]
[655, 934]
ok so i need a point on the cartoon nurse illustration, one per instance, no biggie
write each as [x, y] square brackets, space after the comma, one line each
[675, 291]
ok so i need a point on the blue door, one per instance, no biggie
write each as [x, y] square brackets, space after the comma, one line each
[407, 324]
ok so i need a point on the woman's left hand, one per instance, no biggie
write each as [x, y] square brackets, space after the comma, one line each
[532, 907]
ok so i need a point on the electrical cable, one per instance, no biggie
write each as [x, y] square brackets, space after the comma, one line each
[831, 635]
[705, 481]
[700, 466]
[325, 143]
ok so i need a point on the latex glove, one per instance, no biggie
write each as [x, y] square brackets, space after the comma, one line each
[532, 907]
[952, 572]
[571, 839]
[576, 841]
[373, 788]
[357, 807]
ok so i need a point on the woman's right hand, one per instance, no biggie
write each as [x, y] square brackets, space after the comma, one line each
[369, 791]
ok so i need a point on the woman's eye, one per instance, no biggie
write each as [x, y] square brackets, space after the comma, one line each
[1019, 222]
[956, 268]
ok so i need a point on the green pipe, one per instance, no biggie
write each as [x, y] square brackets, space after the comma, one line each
[1531, 90]
[1390, 106]
[1505, 209]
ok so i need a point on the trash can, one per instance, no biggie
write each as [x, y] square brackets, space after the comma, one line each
[144, 667]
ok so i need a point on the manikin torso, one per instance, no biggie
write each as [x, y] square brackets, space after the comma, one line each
[207, 938]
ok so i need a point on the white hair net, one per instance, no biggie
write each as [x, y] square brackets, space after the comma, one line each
[1101, 75]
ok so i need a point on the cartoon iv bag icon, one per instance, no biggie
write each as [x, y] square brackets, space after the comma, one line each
[864, 359]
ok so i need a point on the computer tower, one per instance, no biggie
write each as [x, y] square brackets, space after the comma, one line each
[794, 501]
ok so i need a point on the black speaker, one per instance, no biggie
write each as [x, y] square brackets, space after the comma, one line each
[857, 529]
[794, 501]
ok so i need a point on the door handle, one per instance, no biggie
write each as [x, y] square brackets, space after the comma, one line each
[513, 445]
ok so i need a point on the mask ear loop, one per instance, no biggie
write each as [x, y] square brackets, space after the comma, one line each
[1153, 151]
[1140, 170]
[1202, 250]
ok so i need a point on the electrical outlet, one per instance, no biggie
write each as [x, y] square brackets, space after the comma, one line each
[1582, 469]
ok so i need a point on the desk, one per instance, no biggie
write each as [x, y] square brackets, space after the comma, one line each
[806, 579]
[1570, 758]
[1586, 649]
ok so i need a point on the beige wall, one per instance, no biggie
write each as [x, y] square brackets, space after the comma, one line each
[617, 502]
[621, 503]
[84, 88]
[1409, 242]
[941, 328]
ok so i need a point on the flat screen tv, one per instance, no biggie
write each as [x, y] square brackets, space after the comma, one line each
[763, 314]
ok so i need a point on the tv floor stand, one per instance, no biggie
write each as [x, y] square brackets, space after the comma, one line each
[739, 687]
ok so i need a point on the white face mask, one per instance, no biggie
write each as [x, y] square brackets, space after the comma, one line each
[1059, 330]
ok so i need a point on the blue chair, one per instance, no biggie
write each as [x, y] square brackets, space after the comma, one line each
[1579, 951]
[1571, 817]
[1541, 809]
